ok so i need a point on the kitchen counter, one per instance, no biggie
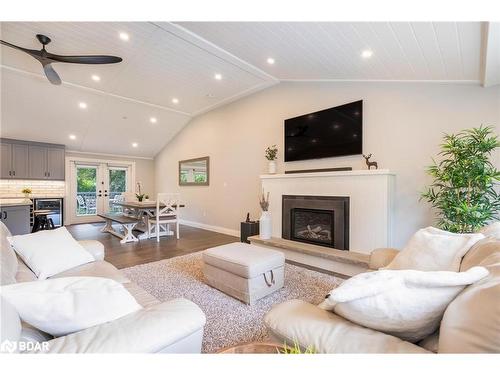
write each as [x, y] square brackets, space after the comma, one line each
[32, 196]
[13, 202]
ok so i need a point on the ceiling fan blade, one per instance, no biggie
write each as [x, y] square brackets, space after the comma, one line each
[51, 74]
[33, 52]
[86, 59]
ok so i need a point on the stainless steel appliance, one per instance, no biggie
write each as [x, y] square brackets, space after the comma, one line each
[53, 204]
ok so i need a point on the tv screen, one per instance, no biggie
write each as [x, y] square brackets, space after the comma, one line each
[336, 131]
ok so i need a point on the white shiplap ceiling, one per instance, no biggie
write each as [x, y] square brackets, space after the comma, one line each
[162, 61]
[332, 50]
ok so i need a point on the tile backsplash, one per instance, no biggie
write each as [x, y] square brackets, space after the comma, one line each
[40, 188]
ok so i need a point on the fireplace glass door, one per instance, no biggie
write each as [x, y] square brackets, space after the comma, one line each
[313, 226]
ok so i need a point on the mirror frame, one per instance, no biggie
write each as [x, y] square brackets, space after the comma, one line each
[207, 183]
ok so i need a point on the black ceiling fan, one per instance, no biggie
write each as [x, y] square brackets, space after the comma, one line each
[46, 58]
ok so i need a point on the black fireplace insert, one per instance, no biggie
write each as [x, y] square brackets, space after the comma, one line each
[317, 220]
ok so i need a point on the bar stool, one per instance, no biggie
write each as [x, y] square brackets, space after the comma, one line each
[41, 221]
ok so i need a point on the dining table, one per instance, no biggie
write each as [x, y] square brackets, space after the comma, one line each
[143, 211]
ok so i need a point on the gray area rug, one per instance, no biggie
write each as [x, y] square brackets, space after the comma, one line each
[229, 321]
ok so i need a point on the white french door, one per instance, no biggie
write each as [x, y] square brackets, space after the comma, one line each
[93, 187]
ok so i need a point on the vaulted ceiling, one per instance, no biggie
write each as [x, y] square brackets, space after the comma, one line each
[168, 71]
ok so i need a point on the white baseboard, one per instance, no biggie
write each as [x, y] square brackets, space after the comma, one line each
[213, 228]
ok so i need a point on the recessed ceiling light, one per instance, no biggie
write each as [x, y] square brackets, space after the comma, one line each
[270, 61]
[153, 120]
[72, 136]
[366, 54]
[218, 76]
[124, 36]
[134, 144]
[82, 105]
[175, 100]
[96, 78]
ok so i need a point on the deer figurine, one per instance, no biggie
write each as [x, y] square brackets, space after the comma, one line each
[369, 163]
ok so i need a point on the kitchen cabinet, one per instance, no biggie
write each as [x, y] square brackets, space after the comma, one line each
[16, 218]
[20, 161]
[38, 162]
[55, 163]
[14, 160]
[32, 160]
[6, 160]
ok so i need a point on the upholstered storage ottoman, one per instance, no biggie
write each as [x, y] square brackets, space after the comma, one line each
[243, 271]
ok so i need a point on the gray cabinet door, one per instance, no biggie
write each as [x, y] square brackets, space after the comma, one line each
[16, 218]
[55, 163]
[6, 160]
[37, 156]
[20, 167]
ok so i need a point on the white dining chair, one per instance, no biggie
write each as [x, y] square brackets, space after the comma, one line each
[167, 212]
[124, 210]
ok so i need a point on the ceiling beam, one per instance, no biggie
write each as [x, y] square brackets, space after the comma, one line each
[490, 54]
[96, 91]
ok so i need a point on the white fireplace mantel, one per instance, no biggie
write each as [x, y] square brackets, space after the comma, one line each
[371, 201]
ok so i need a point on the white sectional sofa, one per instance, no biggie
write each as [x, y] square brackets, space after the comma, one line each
[174, 326]
[471, 323]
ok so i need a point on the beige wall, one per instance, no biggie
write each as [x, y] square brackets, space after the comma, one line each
[403, 125]
[144, 168]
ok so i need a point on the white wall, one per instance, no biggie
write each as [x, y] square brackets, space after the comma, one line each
[403, 126]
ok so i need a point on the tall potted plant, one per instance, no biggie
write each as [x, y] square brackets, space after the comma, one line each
[463, 189]
[271, 156]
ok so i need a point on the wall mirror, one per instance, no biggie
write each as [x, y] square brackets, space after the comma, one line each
[194, 172]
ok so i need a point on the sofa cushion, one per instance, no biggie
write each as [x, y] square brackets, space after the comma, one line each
[405, 303]
[479, 252]
[432, 249]
[10, 324]
[148, 330]
[24, 274]
[430, 343]
[95, 248]
[95, 269]
[8, 258]
[491, 230]
[66, 305]
[243, 259]
[33, 334]
[326, 332]
[471, 323]
[142, 297]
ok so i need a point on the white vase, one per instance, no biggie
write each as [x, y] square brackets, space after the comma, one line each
[272, 167]
[265, 226]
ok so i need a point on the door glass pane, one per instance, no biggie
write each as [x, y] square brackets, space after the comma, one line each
[117, 186]
[86, 183]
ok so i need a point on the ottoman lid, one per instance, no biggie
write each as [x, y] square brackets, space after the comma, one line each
[244, 259]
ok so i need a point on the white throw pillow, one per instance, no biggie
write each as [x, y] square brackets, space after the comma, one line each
[50, 252]
[432, 249]
[407, 304]
[70, 304]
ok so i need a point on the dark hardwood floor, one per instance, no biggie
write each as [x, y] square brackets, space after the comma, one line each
[145, 251]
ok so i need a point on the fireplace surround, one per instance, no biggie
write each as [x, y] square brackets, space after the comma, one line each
[317, 220]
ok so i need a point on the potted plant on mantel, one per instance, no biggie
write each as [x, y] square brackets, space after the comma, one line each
[271, 156]
[463, 190]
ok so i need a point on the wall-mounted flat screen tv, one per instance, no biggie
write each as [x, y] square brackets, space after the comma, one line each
[336, 131]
